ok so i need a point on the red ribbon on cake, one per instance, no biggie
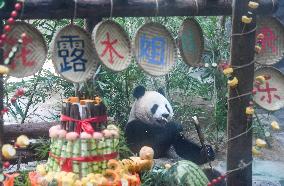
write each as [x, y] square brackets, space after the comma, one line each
[67, 165]
[85, 124]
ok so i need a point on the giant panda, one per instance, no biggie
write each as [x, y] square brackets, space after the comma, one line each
[150, 124]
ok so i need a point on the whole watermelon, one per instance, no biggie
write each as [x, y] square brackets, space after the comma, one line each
[184, 173]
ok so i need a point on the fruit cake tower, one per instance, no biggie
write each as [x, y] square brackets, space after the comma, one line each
[83, 142]
[83, 148]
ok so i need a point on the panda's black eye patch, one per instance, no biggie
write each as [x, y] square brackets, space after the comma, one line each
[168, 108]
[154, 108]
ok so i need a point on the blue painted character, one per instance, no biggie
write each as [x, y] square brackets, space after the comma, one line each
[152, 50]
[71, 50]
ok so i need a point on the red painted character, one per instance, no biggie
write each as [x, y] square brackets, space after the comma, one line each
[268, 90]
[109, 48]
[23, 54]
[269, 39]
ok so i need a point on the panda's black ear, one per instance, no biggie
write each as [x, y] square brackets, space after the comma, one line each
[161, 91]
[139, 92]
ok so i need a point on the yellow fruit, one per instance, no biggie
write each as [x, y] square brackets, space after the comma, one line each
[112, 127]
[49, 177]
[257, 49]
[67, 181]
[249, 111]
[256, 151]
[78, 183]
[91, 176]
[260, 36]
[260, 143]
[261, 79]
[253, 5]
[85, 180]
[246, 19]
[275, 125]
[4, 69]
[228, 71]
[72, 175]
[167, 166]
[58, 177]
[40, 169]
[8, 151]
[233, 82]
[22, 141]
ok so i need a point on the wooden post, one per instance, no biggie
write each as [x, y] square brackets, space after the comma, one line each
[1, 104]
[242, 53]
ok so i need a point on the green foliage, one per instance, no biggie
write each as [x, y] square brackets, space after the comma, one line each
[42, 148]
[22, 179]
[152, 177]
[38, 89]
[122, 149]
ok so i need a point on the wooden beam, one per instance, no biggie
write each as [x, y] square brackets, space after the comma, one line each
[32, 130]
[242, 54]
[59, 9]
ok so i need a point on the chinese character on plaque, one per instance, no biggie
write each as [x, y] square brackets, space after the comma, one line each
[270, 93]
[71, 49]
[73, 55]
[272, 44]
[26, 50]
[155, 50]
[112, 45]
[152, 49]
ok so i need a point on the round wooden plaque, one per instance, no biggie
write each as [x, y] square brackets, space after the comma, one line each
[112, 45]
[31, 54]
[72, 54]
[191, 42]
[154, 49]
[273, 43]
[270, 94]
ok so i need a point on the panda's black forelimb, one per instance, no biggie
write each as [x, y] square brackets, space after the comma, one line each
[139, 134]
[189, 150]
[161, 138]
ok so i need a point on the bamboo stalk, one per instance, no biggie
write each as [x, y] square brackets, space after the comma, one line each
[63, 112]
[76, 153]
[85, 115]
[90, 108]
[103, 111]
[74, 113]
[97, 112]
[68, 112]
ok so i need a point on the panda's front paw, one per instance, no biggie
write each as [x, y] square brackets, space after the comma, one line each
[208, 153]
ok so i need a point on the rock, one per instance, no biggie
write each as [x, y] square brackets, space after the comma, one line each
[265, 183]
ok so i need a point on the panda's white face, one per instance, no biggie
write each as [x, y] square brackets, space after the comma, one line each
[152, 108]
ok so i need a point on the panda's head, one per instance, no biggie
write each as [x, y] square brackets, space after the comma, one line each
[150, 107]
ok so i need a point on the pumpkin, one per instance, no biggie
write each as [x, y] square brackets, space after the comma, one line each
[184, 173]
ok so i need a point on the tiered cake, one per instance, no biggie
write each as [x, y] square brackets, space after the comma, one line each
[83, 149]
